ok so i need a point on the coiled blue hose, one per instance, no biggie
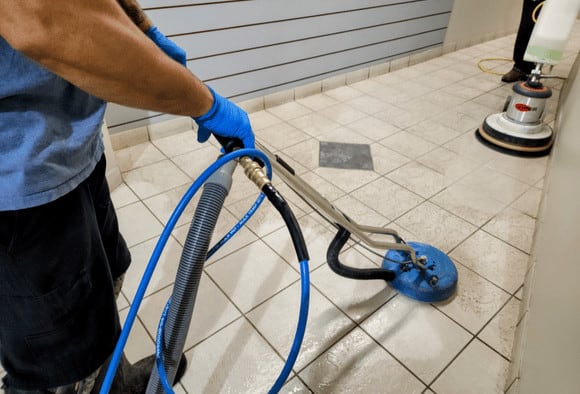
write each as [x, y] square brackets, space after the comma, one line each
[139, 295]
[304, 271]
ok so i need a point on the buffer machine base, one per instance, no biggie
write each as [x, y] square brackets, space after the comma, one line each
[519, 130]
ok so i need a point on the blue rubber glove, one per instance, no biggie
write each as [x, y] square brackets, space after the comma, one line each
[225, 119]
[167, 46]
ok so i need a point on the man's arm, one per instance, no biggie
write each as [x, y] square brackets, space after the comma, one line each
[96, 46]
[135, 12]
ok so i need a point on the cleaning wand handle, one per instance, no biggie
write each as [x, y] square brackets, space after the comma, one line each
[229, 143]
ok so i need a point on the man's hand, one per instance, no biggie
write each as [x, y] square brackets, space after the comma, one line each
[225, 119]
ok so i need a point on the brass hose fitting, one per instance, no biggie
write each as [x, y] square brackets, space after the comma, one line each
[254, 172]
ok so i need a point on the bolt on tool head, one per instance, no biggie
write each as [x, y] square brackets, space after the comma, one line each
[437, 281]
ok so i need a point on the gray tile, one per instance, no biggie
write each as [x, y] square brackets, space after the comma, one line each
[347, 156]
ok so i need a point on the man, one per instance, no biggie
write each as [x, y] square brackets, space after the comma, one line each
[62, 258]
[521, 68]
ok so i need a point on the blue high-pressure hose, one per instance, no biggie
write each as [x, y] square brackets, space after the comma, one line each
[299, 336]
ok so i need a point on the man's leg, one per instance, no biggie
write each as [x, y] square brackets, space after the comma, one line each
[521, 68]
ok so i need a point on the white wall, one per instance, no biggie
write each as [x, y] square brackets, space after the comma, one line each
[246, 49]
[475, 21]
[547, 345]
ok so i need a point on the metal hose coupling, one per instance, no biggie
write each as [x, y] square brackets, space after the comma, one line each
[254, 172]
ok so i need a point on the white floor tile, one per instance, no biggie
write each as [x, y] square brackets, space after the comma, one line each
[262, 119]
[408, 144]
[418, 335]
[276, 319]
[252, 275]
[196, 162]
[478, 370]
[367, 104]
[436, 227]
[343, 114]
[358, 365]
[495, 185]
[289, 110]
[163, 205]
[468, 204]
[448, 163]
[138, 156]
[343, 93]
[306, 153]
[317, 102]
[235, 360]
[314, 124]
[433, 132]
[526, 170]
[419, 179]
[137, 223]
[281, 136]
[514, 227]
[294, 386]
[165, 270]
[493, 259]
[178, 144]
[347, 180]
[387, 198]
[457, 121]
[529, 202]
[386, 160]
[343, 135]
[499, 333]
[139, 344]
[155, 179]
[373, 128]
[475, 302]
[122, 196]
[398, 116]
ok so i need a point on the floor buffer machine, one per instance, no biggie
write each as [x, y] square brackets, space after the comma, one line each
[519, 129]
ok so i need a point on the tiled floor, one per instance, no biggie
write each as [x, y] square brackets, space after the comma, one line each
[432, 181]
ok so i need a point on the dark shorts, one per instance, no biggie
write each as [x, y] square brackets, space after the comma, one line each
[58, 315]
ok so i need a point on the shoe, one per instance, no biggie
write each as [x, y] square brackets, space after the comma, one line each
[134, 378]
[513, 75]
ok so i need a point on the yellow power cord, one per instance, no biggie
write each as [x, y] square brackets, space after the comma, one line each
[535, 12]
[488, 70]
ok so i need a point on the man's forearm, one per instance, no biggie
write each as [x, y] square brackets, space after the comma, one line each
[135, 12]
[97, 47]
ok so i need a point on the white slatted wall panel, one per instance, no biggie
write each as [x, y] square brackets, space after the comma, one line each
[249, 48]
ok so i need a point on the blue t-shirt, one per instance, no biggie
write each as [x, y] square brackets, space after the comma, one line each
[50, 133]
